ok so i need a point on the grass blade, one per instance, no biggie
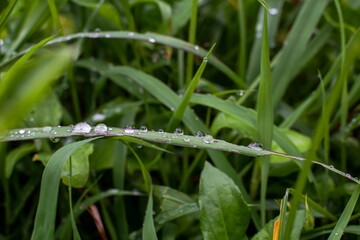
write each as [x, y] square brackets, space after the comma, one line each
[264, 115]
[338, 231]
[179, 111]
[44, 224]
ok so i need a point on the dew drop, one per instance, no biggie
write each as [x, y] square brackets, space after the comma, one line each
[143, 129]
[152, 40]
[139, 146]
[240, 93]
[200, 134]
[21, 131]
[348, 175]
[273, 11]
[100, 128]
[186, 139]
[53, 132]
[197, 48]
[131, 34]
[331, 167]
[54, 139]
[179, 131]
[208, 139]
[81, 127]
[161, 131]
[256, 146]
[129, 129]
[205, 59]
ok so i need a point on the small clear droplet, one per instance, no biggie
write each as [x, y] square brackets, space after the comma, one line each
[139, 146]
[100, 128]
[143, 129]
[348, 175]
[152, 40]
[179, 131]
[197, 48]
[256, 146]
[273, 11]
[82, 127]
[54, 139]
[205, 59]
[21, 131]
[200, 134]
[240, 93]
[208, 139]
[53, 132]
[129, 129]
[331, 167]
[131, 33]
[186, 139]
[46, 129]
[161, 130]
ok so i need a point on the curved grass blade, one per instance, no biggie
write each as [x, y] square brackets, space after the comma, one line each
[44, 224]
[150, 37]
[6, 13]
[338, 231]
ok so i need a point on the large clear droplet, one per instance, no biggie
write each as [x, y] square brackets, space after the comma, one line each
[100, 128]
[129, 129]
[179, 131]
[46, 129]
[21, 131]
[208, 139]
[143, 129]
[256, 146]
[82, 127]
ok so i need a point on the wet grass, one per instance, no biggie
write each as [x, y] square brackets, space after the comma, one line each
[194, 110]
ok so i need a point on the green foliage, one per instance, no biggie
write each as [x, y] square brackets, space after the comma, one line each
[258, 112]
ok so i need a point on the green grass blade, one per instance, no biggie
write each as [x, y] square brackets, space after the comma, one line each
[179, 111]
[264, 115]
[338, 231]
[223, 212]
[6, 13]
[192, 36]
[76, 234]
[297, 42]
[27, 82]
[55, 15]
[149, 231]
[243, 39]
[44, 223]
[158, 38]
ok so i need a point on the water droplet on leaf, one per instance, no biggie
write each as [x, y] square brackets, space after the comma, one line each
[143, 129]
[152, 40]
[208, 139]
[21, 131]
[46, 129]
[179, 131]
[186, 139]
[256, 146]
[200, 134]
[100, 128]
[82, 127]
[54, 139]
[129, 129]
